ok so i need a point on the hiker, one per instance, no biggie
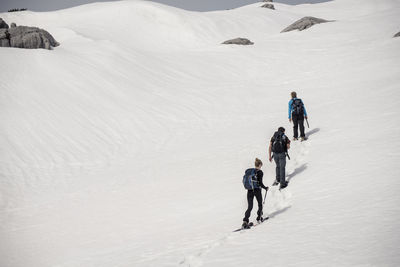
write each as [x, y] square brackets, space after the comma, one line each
[297, 113]
[252, 181]
[279, 145]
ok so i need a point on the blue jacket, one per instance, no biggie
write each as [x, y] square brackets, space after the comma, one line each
[291, 109]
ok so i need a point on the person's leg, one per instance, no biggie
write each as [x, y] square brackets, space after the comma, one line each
[258, 195]
[301, 124]
[282, 167]
[277, 172]
[295, 126]
[250, 196]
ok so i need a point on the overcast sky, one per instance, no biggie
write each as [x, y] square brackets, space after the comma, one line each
[196, 5]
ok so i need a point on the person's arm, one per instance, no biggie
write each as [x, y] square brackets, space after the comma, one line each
[288, 143]
[270, 151]
[290, 109]
[304, 109]
[260, 175]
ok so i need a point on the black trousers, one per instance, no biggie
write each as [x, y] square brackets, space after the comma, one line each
[250, 197]
[298, 121]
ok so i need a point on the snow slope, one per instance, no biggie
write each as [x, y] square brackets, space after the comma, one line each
[125, 146]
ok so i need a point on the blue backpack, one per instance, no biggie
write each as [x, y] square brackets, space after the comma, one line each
[250, 180]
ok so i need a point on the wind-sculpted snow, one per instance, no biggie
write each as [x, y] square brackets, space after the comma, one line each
[126, 145]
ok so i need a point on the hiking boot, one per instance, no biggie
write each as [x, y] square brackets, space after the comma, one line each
[275, 183]
[302, 139]
[260, 219]
[295, 138]
[283, 185]
[245, 225]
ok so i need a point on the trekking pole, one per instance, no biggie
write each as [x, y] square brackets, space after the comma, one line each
[308, 125]
[287, 155]
[265, 196]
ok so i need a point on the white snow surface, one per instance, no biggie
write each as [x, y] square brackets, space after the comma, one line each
[126, 145]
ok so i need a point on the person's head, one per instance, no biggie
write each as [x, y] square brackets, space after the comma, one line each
[281, 129]
[293, 94]
[258, 163]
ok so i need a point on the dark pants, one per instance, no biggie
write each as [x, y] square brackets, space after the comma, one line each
[250, 196]
[280, 160]
[298, 121]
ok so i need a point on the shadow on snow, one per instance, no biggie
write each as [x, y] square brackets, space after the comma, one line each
[296, 171]
[313, 131]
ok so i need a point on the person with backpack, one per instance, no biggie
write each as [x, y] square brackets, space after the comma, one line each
[297, 113]
[252, 181]
[279, 145]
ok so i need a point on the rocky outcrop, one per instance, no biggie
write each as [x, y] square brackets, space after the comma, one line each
[31, 37]
[4, 38]
[397, 34]
[270, 6]
[304, 23]
[3, 24]
[26, 37]
[268, 1]
[239, 41]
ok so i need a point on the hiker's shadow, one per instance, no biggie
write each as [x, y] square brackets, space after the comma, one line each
[313, 131]
[273, 214]
[297, 171]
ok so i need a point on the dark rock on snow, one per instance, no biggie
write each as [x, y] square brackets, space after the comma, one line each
[31, 37]
[304, 23]
[239, 41]
[3, 24]
[397, 34]
[4, 38]
[269, 1]
[25, 37]
[270, 6]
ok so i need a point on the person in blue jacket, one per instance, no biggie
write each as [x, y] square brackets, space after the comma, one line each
[297, 113]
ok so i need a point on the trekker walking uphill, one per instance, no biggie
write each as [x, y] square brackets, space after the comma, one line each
[297, 113]
[279, 145]
[252, 181]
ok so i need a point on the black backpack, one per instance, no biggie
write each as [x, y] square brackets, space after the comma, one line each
[280, 142]
[297, 107]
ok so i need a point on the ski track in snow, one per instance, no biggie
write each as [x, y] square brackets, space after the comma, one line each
[281, 202]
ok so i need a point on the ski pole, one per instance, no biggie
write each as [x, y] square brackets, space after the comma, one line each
[308, 125]
[265, 196]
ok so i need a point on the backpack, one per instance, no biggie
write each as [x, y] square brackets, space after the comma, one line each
[297, 107]
[279, 144]
[250, 181]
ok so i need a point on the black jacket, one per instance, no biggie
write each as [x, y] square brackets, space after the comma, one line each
[259, 176]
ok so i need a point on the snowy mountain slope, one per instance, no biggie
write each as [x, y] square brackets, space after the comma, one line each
[125, 146]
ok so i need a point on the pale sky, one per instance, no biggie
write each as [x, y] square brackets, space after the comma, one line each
[195, 5]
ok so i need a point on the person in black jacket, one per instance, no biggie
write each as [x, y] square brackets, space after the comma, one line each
[279, 145]
[256, 192]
